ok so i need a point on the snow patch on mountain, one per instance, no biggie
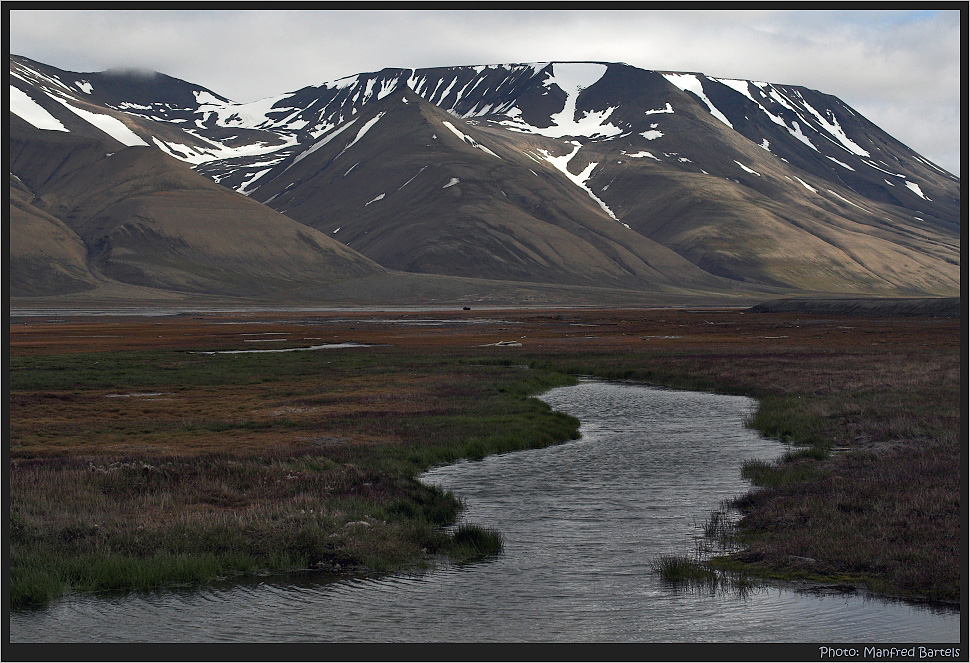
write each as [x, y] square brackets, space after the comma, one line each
[849, 201]
[572, 78]
[736, 85]
[666, 109]
[844, 165]
[468, 139]
[769, 91]
[221, 151]
[889, 172]
[412, 178]
[934, 167]
[320, 143]
[251, 116]
[360, 134]
[242, 188]
[342, 83]
[912, 186]
[33, 113]
[202, 98]
[561, 164]
[387, 87]
[106, 123]
[832, 126]
[473, 83]
[34, 77]
[691, 83]
[642, 154]
[745, 168]
[444, 92]
[796, 131]
[128, 106]
[182, 152]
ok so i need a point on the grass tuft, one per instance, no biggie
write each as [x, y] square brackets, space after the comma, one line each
[471, 543]
[680, 568]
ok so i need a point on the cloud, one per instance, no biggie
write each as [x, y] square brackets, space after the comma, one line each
[899, 68]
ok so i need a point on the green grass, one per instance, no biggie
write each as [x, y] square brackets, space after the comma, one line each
[792, 419]
[144, 369]
[471, 543]
[34, 581]
[119, 523]
[694, 573]
[787, 472]
[680, 568]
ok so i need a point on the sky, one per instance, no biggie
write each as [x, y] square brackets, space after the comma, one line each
[900, 68]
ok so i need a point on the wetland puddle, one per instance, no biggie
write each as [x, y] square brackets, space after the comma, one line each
[582, 522]
[325, 346]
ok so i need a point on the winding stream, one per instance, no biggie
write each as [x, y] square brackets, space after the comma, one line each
[582, 522]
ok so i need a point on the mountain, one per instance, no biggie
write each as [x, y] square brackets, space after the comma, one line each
[568, 174]
[89, 209]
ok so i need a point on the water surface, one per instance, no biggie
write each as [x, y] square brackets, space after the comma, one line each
[582, 522]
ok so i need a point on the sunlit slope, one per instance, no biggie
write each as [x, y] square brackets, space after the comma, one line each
[45, 255]
[769, 222]
[145, 219]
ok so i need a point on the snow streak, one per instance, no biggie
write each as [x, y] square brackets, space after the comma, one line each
[31, 112]
[561, 163]
[691, 83]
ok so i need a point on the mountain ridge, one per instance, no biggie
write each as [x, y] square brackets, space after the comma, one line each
[640, 179]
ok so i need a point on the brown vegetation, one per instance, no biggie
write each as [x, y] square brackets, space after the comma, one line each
[875, 499]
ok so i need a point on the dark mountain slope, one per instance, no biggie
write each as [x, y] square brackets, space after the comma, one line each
[137, 108]
[404, 185]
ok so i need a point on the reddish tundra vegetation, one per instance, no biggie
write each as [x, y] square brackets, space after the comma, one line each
[137, 459]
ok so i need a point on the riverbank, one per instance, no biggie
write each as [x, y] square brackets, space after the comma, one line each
[130, 451]
[151, 468]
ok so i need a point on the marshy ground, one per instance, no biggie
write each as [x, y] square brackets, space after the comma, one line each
[137, 460]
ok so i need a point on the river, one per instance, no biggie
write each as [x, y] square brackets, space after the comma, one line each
[582, 523]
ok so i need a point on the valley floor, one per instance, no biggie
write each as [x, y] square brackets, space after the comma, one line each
[139, 458]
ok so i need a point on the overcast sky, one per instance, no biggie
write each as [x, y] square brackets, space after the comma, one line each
[901, 69]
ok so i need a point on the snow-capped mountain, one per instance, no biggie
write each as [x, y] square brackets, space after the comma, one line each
[577, 173]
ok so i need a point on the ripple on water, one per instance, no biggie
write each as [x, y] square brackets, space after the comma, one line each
[581, 521]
